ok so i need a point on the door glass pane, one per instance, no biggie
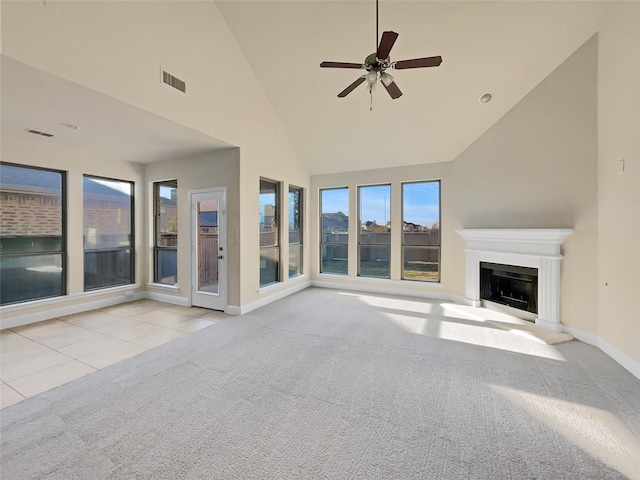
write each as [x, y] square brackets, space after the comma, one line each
[208, 246]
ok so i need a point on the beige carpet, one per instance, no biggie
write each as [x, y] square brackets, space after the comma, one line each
[512, 324]
[330, 385]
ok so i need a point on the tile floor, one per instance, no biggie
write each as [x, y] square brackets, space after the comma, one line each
[38, 357]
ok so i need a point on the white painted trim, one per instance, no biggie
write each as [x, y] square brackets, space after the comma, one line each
[628, 363]
[173, 299]
[16, 307]
[288, 289]
[233, 310]
[164, 286]
[383, 286]
[67, 310]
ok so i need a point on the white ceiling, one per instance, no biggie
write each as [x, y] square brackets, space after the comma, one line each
[505, 48]
[36, 100]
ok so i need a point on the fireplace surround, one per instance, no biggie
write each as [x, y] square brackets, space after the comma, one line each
[532, 248]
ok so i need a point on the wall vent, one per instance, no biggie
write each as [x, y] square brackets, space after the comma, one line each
[174, 82]
[36, 132]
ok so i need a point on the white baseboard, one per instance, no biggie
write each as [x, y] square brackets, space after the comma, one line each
[276, 295]
[163, 297]
[383, 286]
[63, 310]
[619, 356]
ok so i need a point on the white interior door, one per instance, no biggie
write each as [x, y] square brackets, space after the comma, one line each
[208, 249]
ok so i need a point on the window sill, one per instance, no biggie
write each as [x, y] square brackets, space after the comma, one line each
[164, 286]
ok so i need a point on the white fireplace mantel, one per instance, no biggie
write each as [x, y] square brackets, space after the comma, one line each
[534, 248]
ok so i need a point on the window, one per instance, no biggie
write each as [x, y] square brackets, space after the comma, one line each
[421, 231]
[32, 233]
[108, 232]
[374, 247]
[269, 243]
[295, 231]
[165, 248]
[334, 240]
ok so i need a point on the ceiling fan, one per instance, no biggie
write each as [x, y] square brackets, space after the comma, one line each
[378, 62]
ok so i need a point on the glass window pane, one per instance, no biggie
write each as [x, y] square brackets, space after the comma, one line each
[334, 258]
[375, 230]
[107, 268]
[30, 277]
[334, 238]
[268, 213]
[31, 233]
[107, 213]
[269, 258]
[374, 261]
[421, 213]
[295, 231]
[421, 263]
[166, 266]
[167, 214]
[295, 260]
[30, 210]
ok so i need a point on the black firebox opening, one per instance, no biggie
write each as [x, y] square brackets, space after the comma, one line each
[516, 287]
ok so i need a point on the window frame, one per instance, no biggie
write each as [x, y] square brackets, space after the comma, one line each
[437, 247]
[276, 247]
[131, 247]
[375, 245]
[300, 222]
[334, 244]
[63, 252]
[156, 232]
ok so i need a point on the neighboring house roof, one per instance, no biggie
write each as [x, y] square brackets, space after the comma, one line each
[335, 220]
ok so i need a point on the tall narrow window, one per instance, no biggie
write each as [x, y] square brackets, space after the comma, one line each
[269, 237]
[295, 231]
[374, 247]
[334, 239]
[165, 248]
[108, 232]
[32, 233]
[421, 231]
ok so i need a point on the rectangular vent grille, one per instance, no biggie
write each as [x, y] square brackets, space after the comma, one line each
[175, 82]
[36, 132]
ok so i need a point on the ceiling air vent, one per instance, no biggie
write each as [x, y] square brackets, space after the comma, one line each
[36, 132]
[174, 82]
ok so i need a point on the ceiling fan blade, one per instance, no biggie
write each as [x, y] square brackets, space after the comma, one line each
[351, 87]
[386, 43]
[394, 91]
[340, 65]
[418, 63]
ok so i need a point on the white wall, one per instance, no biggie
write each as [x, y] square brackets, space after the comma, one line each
[535, 168]
[118, 48]
[218, 169]
[618, 290]
[76, 162]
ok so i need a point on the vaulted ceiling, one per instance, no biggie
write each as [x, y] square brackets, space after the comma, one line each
[504, 48]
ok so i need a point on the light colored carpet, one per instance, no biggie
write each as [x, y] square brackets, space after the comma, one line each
[336, 385]
[514, 325]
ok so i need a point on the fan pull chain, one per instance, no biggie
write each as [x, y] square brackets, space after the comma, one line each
[371, 101]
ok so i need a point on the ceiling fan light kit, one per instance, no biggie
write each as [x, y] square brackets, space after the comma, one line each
[377, 63]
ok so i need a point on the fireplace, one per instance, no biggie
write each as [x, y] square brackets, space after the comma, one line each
[510, 285]
[527, 250]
